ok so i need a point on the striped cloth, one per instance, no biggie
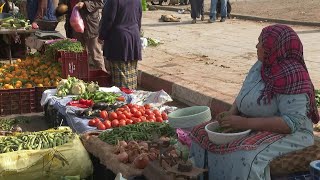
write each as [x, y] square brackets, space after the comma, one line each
[124, 74]
[284, 70]
[251, 142]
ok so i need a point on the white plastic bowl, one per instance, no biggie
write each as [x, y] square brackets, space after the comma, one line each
[223, 138]
[189, 117]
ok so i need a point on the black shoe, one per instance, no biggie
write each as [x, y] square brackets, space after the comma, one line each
[202, 18]
[193, 21]
[211, 21]
[223, 19]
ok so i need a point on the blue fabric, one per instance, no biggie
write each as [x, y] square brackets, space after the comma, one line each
[32, 7]
[50, 13]
[213, 9]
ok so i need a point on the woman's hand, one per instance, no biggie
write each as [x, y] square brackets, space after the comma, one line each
[222, 115]
[234, 122]
[80, 5]
[100, 41]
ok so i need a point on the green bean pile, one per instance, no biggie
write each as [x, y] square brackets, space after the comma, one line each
[145, 131]
[35, 141]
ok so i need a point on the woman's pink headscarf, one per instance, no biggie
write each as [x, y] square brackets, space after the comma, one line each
[284, 70]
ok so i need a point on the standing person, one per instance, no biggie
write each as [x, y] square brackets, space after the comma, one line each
[276, 101]
[89, 11]
[213, 10]
[40, 9]
[197, 10]
[120, 31]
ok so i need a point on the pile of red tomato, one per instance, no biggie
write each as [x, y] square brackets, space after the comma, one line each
[128, 114]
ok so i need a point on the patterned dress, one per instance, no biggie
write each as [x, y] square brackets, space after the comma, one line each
[254, 164]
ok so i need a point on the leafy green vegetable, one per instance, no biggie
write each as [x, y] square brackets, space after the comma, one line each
[152, 42]
[143, 131]
[62, 45]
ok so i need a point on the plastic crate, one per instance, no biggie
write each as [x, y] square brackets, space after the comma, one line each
[103, 78]
[74, 64]
[38, 95]
[17, 101]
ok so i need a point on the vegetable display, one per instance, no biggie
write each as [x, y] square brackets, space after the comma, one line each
[14, 23]
[29, 72]
[99, 96]
[62, 45]
[73, 86]
[125, 115]
[35, 140]
[145, 131]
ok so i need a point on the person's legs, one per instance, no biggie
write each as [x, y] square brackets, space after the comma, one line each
[213, 11]
[94, 49]
[201, 5]
[124, 74]
[223, 10]
[194, 11]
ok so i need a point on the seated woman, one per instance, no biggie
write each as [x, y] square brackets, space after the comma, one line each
[276, 101]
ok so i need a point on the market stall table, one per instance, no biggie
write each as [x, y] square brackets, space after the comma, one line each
[9, 32]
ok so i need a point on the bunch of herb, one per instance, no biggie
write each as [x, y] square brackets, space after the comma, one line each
[62, 45]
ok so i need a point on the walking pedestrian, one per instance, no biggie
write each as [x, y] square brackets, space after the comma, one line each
[213, 10]
[120, 33]
[197, 10]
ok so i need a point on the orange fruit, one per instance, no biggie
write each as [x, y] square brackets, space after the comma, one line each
[55, 83]
[18, 85]
[7, 79]
[46, 84]
[19, 60]
[18, 82]
[39, 85]
[10, 87]
[28, 85]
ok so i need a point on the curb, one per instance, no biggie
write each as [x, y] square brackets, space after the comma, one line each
[181, 93]
[252, 18]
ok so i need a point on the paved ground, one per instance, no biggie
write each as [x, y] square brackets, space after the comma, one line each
[297, 10]
[213, 57]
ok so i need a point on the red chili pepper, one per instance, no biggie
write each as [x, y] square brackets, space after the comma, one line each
[73, 102]
[82, 101]
[89, 102]
[126, 90]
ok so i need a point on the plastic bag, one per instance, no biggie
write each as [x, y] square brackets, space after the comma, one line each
[76, 20]
[70, 159]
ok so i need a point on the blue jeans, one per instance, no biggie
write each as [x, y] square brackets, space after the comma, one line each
[213, 9]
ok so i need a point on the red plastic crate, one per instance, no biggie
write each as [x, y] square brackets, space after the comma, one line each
[74, 64]
[103, 78]
[38, 95]
[17, 101]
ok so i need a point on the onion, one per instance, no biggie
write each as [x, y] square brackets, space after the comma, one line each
[132, 144]
[123, 144]
[119, 150]
[153, 156]
[143, 144]
[133, 154]
[141, 161]
[123, 157]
